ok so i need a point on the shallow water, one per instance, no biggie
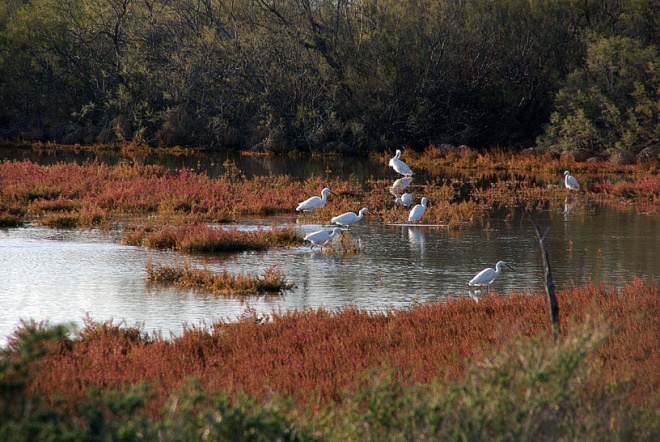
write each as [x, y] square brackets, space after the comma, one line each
[66, 275]
[212, 164]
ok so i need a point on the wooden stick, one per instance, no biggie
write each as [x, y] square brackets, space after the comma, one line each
[549, 283]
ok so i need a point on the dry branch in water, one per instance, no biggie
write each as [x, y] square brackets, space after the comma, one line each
[549, 283]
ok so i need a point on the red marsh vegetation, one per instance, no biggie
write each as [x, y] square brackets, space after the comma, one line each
[318, 355]
[270, 281]
[349, 372]
[98, 195]
[200, 238]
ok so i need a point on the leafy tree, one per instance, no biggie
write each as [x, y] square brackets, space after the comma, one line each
[303, 74]
[611, 105]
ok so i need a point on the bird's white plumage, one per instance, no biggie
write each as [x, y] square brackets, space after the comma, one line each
[405, 199]
[417, 211]
[314, 202]
[486, 276]
[570, 182]
[399, 166]
[349, 218]
[321, 237]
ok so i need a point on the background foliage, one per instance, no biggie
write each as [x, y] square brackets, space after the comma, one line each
[331, 74]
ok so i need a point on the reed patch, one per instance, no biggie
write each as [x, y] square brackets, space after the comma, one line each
[202, 238]
[270, 281]
[99, 195]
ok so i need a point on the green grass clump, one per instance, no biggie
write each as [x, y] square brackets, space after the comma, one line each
[528, 390]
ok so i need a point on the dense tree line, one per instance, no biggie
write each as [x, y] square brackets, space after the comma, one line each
[332, 74]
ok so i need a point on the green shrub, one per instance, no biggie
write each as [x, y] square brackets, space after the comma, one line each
[612, 104]
[530, 390]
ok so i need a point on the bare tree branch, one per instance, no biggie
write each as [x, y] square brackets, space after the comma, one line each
[549, 283]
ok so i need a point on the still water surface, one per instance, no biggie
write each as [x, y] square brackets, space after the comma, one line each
[66, 275]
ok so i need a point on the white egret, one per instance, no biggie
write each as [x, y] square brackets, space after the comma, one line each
[570, 182]
[405, 199]
[314, 202]
[321, 237]
[399, 166]
[486, 276]
[349, 218]
[417, 211]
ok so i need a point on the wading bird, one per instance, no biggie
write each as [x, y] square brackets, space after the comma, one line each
[570, 182]
[417, 211]
[314, 202]
[349, 218]
[321, 237]
[405, 199]
[399, 166]
[486, 276]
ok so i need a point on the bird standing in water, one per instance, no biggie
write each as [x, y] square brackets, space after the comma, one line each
[570, 182]
[349, 218]
[399, 166]
[314, 202]
[417, 211]
[488, 275]
[321, 237]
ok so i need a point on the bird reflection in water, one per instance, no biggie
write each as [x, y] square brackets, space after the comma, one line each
[397, 189]
[569, 205]
[476, 294]
[400, 185]
[417, 240]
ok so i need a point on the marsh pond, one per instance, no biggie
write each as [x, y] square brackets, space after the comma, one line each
[65, 275]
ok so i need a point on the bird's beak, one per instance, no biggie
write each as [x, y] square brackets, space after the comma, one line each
[510, 267]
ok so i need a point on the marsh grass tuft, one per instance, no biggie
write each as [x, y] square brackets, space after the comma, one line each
[12, 215]
[65, 194]
[201, 238]
[187, 275]
[349, 244]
